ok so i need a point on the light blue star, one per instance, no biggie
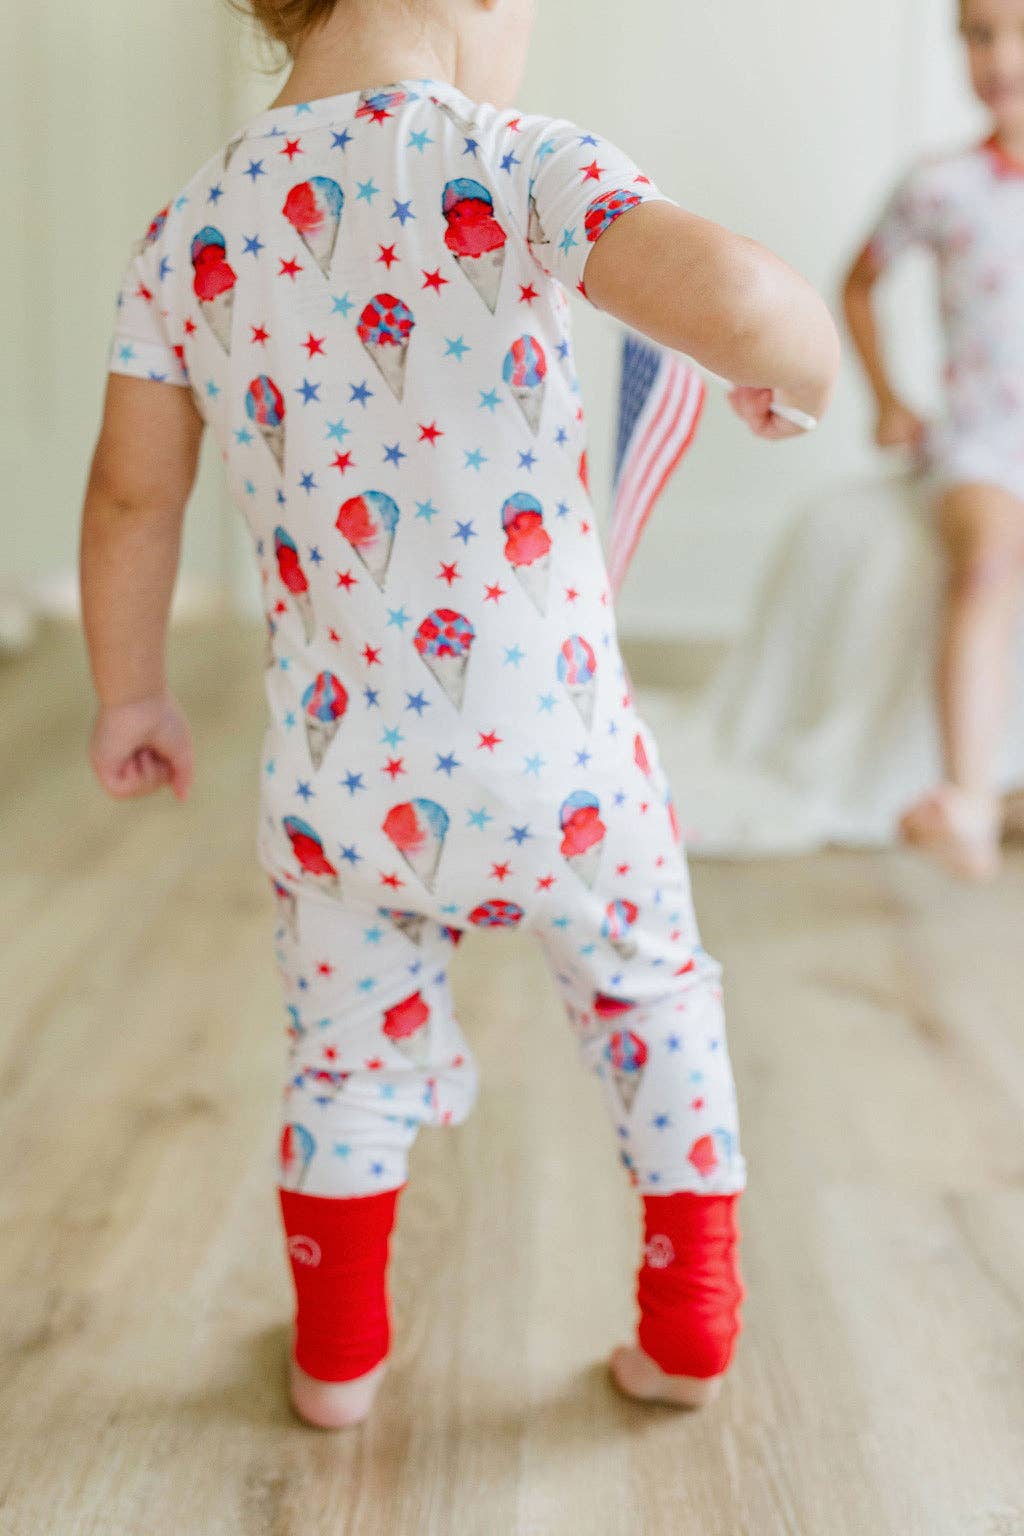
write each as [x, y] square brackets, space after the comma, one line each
[179, 203]
[367, 191]
[480, 818]
[546, 703]
[419, 140]
[455, 347]
[513, 655]
[489, 400]
[373, 935]
[212, 389]
[367, 984]
[338, 430]
[426, 510]
[568, 240]
[545, 149]
[341, 306]
[342, 1149]
[402, 212]
[534, 765]
[397, 618]
[475, 459]
[392, 738]
[243, 436]
[583, 758]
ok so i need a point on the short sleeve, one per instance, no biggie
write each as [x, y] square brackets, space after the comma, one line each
[141, 345]
[579, 184]
[910, 219]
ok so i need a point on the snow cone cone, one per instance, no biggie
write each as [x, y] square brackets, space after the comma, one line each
[577, 672]
[474, 236]
[313, 209]
[369, 522]
[626, 1055]
[214, 282]
[528, 546]
[412, 925]
[583, 834]
[407, 1026]
[324, 704]
[617, 927]
[443, 641]
[385, 328]
[524, 371]
[418, 828]
[264, 406]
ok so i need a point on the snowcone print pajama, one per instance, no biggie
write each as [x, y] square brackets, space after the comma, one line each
[367, 297]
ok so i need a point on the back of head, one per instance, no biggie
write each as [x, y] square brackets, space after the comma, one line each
[287, 21]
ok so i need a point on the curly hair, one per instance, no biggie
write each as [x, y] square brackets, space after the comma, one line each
[287, 21]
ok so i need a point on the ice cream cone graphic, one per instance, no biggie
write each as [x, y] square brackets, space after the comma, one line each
[708, 1153]
[528, 546]
[474, 236]
[385, 327]
[444, 641]
[411, 924]
[617, 927]
[324, 704]
[418, 828]
[293, 578]
[313, 209]
[378, 106]
[230, 149]
[524, 371]
[156, 228]
[583, 834]
[407, 1026]
[626, 1055]
[577, 672]
[214, 282]
[296, 1151]
[309, 853]
[287, 908]
[369, 522]
[264, 406]
[535, 232]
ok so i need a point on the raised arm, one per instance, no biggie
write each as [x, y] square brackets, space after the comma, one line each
[142, 474]
[725, 301]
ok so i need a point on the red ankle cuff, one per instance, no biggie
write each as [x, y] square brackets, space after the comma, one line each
[689, 1287]
[339, 1255]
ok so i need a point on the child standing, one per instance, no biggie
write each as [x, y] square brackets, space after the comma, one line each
[363, 297]
[968, 208]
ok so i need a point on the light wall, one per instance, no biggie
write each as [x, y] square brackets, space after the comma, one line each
[785, 122]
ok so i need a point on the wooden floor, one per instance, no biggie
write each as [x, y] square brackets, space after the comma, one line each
[877, 1020]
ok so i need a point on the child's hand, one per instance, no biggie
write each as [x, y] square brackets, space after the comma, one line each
[138, 748]
[754, 406]
[899, 427]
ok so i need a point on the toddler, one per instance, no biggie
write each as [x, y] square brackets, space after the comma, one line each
[968, 209]
[363, 297]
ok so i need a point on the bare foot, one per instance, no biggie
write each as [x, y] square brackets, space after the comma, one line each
[333, 1404]
[961, 831]
[636, 1374]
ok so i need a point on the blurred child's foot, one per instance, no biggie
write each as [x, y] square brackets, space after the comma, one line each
[637, 1375]
[333, 1404]
[958, 829]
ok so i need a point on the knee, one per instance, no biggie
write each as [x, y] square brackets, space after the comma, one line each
[990, 561]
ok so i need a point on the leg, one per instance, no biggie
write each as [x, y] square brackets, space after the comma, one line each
[983, 534]
[646, 1003]
[375, 1053]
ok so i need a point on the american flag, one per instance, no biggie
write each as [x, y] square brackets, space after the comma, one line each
[661, 396]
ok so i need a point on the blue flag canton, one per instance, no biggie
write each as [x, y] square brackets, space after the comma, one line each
[640, 364]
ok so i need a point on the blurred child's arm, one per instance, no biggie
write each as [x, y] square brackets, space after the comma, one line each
[898, 426]
[723, 300]
[142, 474]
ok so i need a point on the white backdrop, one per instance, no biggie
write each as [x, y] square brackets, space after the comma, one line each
[788, 123]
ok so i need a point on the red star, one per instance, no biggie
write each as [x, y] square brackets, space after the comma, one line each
[347, 580]
[593, 171]
[190, 327]
[331, 1052]
[494, 594]
[500, 872]
[448, 573]
[697, 1104]
[645, 806]
[430, 434]
[644, 181]
[545, 882]
[584, 526]
[434, 279]
[371, 655]
[280, 606]
[374, 1064]
[325, 968]
[292, 148]
[260, 336]
[571, 594]
[334, 637]
[387, 256]
[581, 289]
[289, 268]
[604, 598]
[343, 461]
[488, 740]
[685, 970]
[622, 869]
[393, 767]
[527, 293]
[513, 125]
[392, 881]
[314, 344]
[142, 292]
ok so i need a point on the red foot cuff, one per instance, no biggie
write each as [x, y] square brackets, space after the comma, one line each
[689, 1287]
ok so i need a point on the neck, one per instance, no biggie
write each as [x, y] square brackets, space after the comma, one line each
[364, 45]
[1010, 138]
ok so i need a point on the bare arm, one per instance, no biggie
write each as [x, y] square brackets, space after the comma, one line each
[722, 299]
[897, 425]
[142, 474]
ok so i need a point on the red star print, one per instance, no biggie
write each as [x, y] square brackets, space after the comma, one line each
[343, 461]
[334, 637]
[622, 869]
[325, 968]
[289, 268]
[280, 607]
[500, 872]
[684, 970]
[190, 327]
[448, 573]
[697, 1104]
[142, 292]
[260, 336]
[371, 655]
[513, 126]
[645, 806]
[347, 580]
[494, 594]
[545, 882]
[314, 344]
[527, 293]
[434, 279]
[488, 740]
[581, 289]
[659, 861]
[393, 767]
[387, 256]
[644, 181]
[584, 526]
[331, 1052]
[392, 881]
[292, 148]
[571, 594]
[593, 171]
[374, 1064]
[430, 434]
